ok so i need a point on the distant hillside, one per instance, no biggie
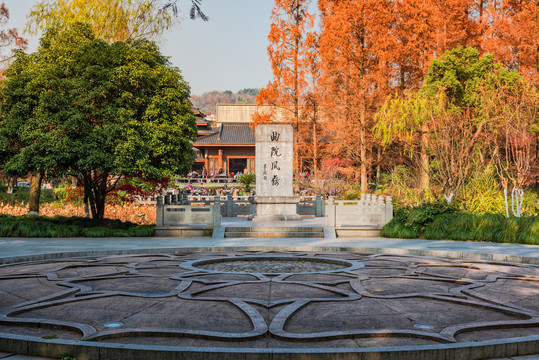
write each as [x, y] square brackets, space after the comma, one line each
[207, 101]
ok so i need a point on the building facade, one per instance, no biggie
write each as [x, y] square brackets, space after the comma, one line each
[226, 147]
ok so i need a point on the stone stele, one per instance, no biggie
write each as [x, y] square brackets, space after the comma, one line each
[274, 168]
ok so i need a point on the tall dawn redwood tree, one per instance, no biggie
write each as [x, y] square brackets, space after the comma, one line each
[290, 43]
[354, 72]
[97, 111]
[513, 34]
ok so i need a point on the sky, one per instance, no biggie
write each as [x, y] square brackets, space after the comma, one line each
[228, 52]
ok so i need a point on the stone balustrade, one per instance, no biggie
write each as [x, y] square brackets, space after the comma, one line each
[371, 211]
[234, 206]
[176, 219]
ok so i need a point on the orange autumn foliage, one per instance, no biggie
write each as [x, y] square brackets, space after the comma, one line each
[291, 41]
[330, 85]
[354, 51]
[512, 34]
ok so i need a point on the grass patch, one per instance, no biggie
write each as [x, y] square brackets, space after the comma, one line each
[60, 226]
[437, 223]
[142, 231]
[98, 231]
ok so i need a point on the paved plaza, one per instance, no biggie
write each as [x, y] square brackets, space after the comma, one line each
[319, 298]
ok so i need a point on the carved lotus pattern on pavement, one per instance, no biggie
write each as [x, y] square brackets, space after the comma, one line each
[379, 300]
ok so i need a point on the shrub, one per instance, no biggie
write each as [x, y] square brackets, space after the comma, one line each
[424, 214]
[60, 226]
[8, 228]
[247, 180]
[483, 193]
[397, 228]
[462, 227]
[440, 227]
[351, 195]
[55, 230]
[439, 222]
[135, 213]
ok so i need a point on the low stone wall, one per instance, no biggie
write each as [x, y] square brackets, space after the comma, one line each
[363, 217]
[175, 219]
[233, 206]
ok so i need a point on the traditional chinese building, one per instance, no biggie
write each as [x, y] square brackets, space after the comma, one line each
[229, 144]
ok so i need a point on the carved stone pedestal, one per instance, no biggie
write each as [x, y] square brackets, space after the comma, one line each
[275, 208]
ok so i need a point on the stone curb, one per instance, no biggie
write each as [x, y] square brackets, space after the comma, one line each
[86, 350]
[391, 251]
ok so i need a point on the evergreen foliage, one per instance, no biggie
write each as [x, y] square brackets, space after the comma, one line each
[58, 226]
[97, 111]
[434, 222]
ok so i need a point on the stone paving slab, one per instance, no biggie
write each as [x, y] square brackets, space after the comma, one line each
[376, 301]
[24, 247]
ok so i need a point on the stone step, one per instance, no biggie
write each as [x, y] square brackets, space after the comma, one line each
[273, 234]
[274, 229]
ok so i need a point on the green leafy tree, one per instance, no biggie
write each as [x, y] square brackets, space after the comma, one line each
[96, 111]
[444, 118]
[114, 20]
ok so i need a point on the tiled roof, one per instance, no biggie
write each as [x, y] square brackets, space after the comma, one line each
[229, 134]
[200, 117]
[201, 121]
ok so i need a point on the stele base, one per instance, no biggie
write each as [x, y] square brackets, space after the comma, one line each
[275, 208]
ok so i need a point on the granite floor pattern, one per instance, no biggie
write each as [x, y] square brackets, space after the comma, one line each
[367, 300]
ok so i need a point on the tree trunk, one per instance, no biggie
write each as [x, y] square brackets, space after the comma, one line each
[425, 180]
[35, 192]
[97, 193]
[315, 155]
[296, 91]
[506, 202]
[11, 183]
[86, 202]
[537, 44]
[378, 162]
[363, 157]
[363, 141]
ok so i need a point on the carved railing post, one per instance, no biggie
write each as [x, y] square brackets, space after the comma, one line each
[389, 208]
[229, 206]
[318, 205]
[216, 211]
[331, 211]
[159, 212]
